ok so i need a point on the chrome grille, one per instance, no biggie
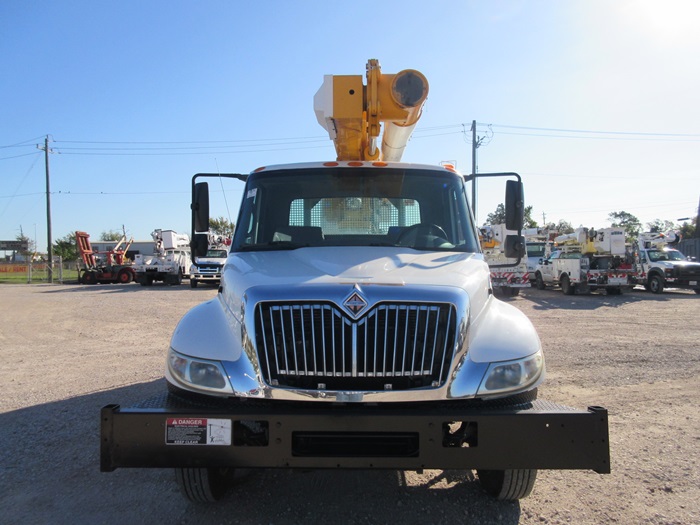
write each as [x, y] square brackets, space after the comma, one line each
[395, 346]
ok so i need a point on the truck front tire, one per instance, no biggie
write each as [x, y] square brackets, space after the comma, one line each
[507, 485]
[193, 283]
[204, 485]
[566, 286]
[539, 282]
[656, 284]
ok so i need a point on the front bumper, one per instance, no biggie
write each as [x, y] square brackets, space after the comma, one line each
[166, 431]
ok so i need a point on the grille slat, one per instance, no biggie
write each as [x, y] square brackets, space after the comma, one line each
[317, 346]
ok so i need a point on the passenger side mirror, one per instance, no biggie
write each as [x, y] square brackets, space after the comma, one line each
[515, 205]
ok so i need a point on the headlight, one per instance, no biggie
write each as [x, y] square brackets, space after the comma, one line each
[510, 376]
[200, 374]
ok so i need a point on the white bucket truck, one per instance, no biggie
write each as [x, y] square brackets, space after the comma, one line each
[660, 266]
[355, 327]
[169, 263]
[587, 260]
[207, 268]
[508, 274]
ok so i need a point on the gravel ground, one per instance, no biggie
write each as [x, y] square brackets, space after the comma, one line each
[67, 350]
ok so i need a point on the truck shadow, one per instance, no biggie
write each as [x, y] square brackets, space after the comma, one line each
[553, 298]
[49, 471]
[125, 288]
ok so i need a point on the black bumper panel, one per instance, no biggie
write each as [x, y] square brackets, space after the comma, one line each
[167, 432]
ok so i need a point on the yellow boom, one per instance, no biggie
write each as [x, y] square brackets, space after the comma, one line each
[352, 112]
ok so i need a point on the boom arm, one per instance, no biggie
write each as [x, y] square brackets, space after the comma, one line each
[352, 113]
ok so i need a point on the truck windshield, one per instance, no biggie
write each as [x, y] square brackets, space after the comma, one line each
[665, 255]
[535, 249]
[218, 254]
[416, 208]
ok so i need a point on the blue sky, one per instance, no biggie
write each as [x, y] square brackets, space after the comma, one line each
[593, 102]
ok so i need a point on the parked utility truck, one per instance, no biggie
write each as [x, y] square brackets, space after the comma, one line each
[207, 268]
[537, 246]
[587, 260]
[169, 262]
[356, 327]
[508, 274]
[660, 266]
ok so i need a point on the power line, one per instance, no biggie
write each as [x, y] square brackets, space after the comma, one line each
[598, 131]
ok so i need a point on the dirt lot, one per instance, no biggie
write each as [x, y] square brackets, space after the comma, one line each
[67, 350]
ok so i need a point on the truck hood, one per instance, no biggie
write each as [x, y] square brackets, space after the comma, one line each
[366, 265]
[210, 260]
[690, 265]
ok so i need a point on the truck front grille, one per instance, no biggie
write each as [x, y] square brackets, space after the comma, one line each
[687, 272]
[317, 346]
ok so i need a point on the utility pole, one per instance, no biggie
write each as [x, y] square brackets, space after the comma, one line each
[48, 209]
[474, 146]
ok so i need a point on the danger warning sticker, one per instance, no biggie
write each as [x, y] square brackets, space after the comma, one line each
[197, 431]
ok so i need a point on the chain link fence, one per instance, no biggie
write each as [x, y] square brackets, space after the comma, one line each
[32, 272]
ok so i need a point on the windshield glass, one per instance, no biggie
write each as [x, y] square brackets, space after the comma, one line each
[535, 249]
[666, 255]
[289, 209]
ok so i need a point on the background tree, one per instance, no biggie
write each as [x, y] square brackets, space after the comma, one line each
[689, 229]
[30, 245]
[499, 216]
[221, 226]
[560, 227]
[111, 235]
[626, 221]
[66, 247]
[659, 226]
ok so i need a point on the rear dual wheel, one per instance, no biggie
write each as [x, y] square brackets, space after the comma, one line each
[204, 485]
[507, 485]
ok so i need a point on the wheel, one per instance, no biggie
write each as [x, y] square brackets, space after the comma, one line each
[508, 291]
[177, 279]
[507, 484]
[193, 283]
[613, 291]
[90, 278]
[124, 276]
[146, 280]
[656, 284]
[204, 485]
[566, 286]
[539, 282]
